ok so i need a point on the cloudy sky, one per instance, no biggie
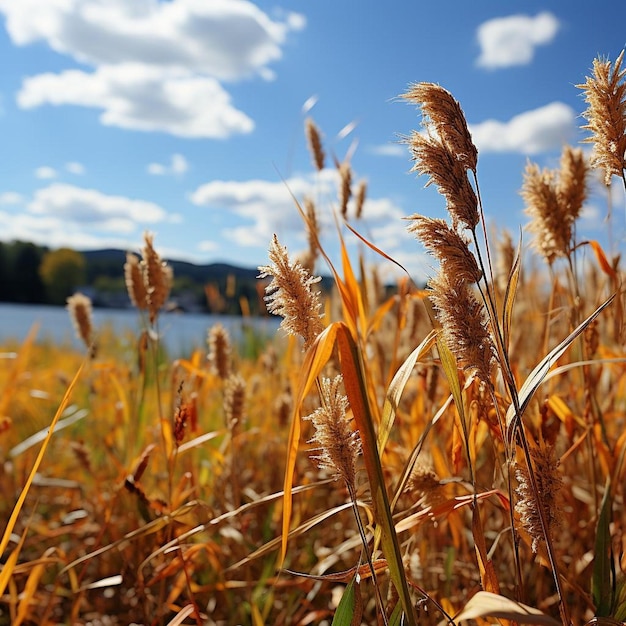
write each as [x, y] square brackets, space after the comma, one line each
[186, 117]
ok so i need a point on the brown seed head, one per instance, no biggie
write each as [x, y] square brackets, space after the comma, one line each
[81, 314]
[359, 198]
[315, 143]
[157, 275]
[234, 402]
[345, 187]
[464, 324]
[337, 444]
[134, 282]
[313, 231]
[549, 482]
[219, 351]
[447, 245]
[605, 94]
[433, 158]
[444, 114]
[290, 295]
[572, 185]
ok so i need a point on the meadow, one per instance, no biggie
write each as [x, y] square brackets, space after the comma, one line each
[430, 455]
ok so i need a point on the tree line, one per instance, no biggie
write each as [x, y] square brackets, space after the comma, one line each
[33, 274]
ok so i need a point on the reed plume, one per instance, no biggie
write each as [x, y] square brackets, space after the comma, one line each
[605, 94]
[338, 445]
[219, 351]
[554, 200]
[313, 231]
[359, 198]
[549, 483]
[290, 295]
[464, 324]
[315, 144]
[157, 275]
[444, 114]
[234, 402]
[81, 314]
[345, 187]
[448, 246]
[133, 276]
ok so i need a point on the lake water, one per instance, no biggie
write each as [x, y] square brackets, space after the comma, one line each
[181, 332]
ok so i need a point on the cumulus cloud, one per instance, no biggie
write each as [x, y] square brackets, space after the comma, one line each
[265, 207]
[11, 198]
[507, 41]
[540, 130]
[140, 97]
[92, 209]
[158, 65]
[178, 165]
[45, 172]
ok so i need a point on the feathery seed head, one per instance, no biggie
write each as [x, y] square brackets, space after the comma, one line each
[135, 285]
[81, 314]
[291, 296]
[234, 402]
[359, 198]
[315, 143]
[549, 482]
[448, 246]
[338, 445]
[219, 351]
[441, 111]
[605, 94]
[433, 158]
[345, 187]
[157, 275]
[464, 324]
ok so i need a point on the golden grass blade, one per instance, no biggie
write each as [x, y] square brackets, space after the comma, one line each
[486, 604]
[539, 373]
[398, 383]
[603, 262]
[11, 562]
[182, 615]
[356, 389]
[28, 595]
[509, 296]
[316, 357]
[22, 497]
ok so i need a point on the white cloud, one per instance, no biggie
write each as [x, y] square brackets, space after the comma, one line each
[91, 209]
[73, 167]
[540, 130]
[267, 207]
[158, 65]
[10, 198]
[390, 149]
[142, 98]
[44, 172]
[507, 41]
[178, 165]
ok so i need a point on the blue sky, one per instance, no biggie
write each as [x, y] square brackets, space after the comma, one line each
[186, 117]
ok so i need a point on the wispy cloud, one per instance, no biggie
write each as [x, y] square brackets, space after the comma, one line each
[157, 66]
[91, 210]
[74, 167]
[177, 166]
[389, 149]
[11, 198]
[539, 130]
[508, 41]
[45, 172]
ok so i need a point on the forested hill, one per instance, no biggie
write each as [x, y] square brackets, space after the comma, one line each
[35, 274]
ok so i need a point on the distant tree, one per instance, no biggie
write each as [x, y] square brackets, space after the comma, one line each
[62, 271]
[24, 283]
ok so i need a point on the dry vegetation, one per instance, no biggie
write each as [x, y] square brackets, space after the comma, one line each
[439, 455]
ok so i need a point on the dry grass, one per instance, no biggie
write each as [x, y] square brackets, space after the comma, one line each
[477, 429]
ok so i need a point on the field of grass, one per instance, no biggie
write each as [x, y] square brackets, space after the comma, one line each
[431, 456]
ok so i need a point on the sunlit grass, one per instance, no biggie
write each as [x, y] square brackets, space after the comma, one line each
[482, 483]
